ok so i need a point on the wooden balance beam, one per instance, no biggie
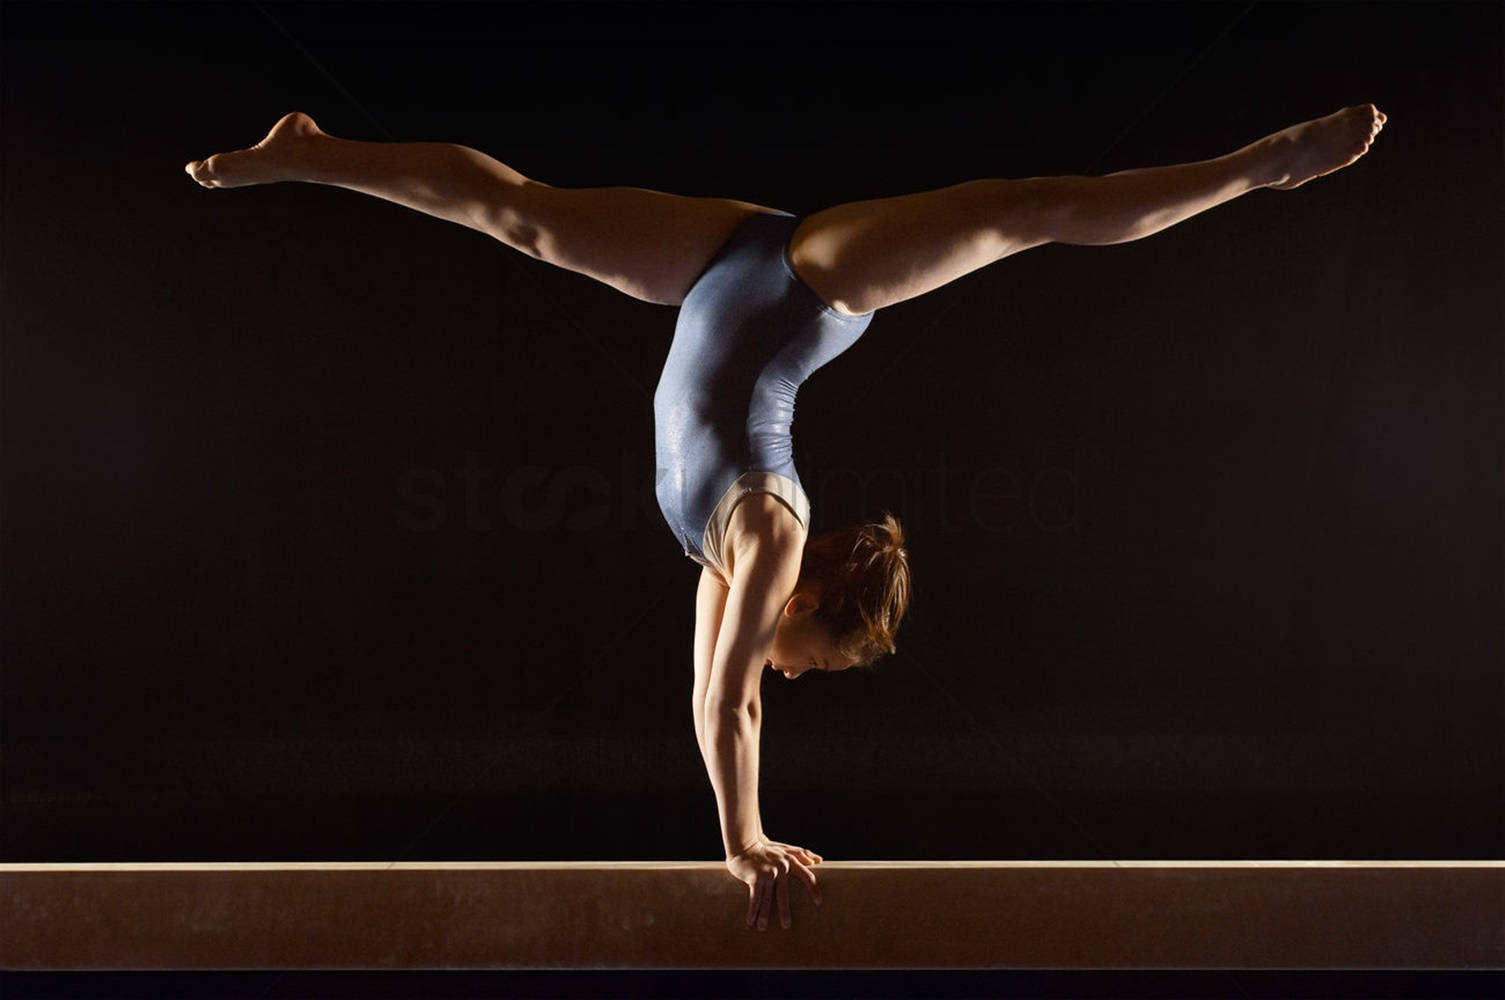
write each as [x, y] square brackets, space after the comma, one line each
[690, 915]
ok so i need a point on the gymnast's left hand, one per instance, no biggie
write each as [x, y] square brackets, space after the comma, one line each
[767, 867]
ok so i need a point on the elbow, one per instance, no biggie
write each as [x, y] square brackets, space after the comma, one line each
[728, 713]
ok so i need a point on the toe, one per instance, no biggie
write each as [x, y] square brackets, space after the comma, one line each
[203, 172]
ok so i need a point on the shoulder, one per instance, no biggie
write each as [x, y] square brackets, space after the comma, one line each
[764, 532]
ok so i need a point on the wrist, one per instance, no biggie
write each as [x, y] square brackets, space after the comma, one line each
[732, 853]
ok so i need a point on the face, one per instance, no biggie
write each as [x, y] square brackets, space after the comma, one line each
[802, 643]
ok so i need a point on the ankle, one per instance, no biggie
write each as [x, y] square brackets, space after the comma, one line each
[312, 158]
[1263, 162]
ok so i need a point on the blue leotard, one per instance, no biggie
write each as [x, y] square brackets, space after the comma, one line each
[749, 333]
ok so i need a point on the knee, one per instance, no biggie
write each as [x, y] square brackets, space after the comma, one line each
[513, 214]
[1038, 210]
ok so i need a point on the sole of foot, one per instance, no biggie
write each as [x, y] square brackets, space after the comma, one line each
[269, 160]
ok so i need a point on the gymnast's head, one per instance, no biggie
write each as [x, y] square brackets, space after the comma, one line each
[853, 592]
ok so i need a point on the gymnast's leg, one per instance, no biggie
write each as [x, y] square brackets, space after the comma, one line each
[866, 255]
[648, 244]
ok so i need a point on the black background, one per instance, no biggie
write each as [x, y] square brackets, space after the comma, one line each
[1205, 528]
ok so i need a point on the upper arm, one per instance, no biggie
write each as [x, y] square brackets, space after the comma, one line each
[764, 579]
[710, 604]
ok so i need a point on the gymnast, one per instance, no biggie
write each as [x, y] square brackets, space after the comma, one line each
[765, 298]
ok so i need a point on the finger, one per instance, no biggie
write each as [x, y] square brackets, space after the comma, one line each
[811, 884]
[752, 903]
[805, 855]
[783, 895]
[805, 852]
[765, 899]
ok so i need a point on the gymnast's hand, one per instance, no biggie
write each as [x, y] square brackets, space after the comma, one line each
[767, 867]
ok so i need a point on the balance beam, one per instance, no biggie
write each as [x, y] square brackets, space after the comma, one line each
[689, 915]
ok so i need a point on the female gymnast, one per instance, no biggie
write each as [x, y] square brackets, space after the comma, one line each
[765, 298]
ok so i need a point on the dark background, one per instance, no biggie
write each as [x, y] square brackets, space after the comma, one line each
[328, 528]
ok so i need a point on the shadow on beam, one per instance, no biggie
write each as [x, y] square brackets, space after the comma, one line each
[689, 915]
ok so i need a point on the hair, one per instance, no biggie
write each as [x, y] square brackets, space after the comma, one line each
[862, 573]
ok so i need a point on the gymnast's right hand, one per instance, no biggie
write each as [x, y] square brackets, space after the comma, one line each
[767, 867]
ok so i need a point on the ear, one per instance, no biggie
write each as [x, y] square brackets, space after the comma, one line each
[800, 602]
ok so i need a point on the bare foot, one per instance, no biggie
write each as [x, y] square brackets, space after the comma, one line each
[1309, 150]
[269, 160]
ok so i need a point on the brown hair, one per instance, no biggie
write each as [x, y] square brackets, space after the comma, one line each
[862, 572]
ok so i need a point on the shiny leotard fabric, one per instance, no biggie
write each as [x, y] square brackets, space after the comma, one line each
[749, 333]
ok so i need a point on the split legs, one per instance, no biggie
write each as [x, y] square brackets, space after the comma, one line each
[858, 257]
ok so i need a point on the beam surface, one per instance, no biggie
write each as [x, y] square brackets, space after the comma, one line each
[690, 915]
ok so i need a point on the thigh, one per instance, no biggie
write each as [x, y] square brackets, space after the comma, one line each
[647, 244]
[865, 255]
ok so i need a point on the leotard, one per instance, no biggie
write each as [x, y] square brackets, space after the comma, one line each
[749, 332]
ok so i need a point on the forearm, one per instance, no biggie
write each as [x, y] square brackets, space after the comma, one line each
[730, 749]
[705, 754]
